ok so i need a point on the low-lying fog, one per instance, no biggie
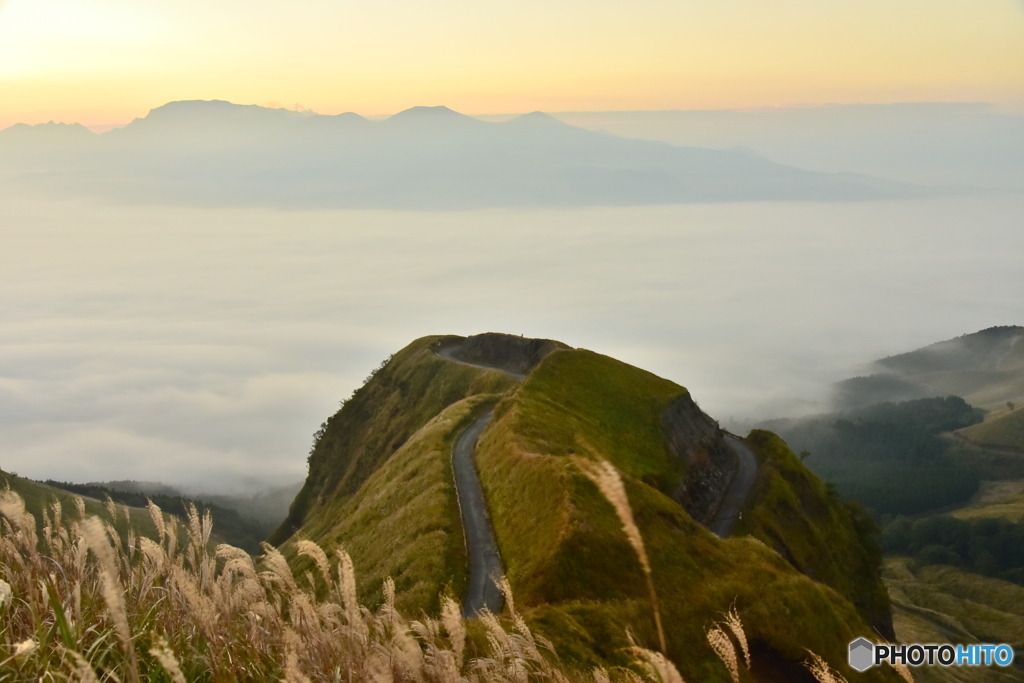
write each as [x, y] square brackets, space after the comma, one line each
[204, 347]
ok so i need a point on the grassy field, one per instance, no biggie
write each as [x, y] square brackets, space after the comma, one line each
[1003, 429]
[996, 499]
[39, 497]
[940, 604]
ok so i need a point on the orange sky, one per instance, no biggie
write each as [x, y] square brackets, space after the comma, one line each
[108, 61]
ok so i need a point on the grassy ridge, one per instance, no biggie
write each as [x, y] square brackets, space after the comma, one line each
[795, 513]
[996, 499]
[571, 568]
[39, 497]
[1005, 431]
[568, 559]
[398, 399]
[404, 522]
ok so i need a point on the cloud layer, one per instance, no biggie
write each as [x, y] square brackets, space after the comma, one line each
[205, 346]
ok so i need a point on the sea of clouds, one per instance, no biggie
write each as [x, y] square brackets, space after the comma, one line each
[204, 347]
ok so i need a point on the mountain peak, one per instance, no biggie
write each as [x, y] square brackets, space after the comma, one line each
[204, 111]
[537, 118]
[432, 113]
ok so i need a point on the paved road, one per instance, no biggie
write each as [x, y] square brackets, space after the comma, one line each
[742, 483]
[448, 353]
[484, 561]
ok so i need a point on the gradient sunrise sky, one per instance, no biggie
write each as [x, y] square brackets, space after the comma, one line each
[108, 61]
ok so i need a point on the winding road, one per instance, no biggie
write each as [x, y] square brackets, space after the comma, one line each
[485, 568]
[484, 561]
[731, 509]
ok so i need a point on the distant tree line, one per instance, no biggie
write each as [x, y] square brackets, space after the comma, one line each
[242, 532]
[890, 457]
[993, 547]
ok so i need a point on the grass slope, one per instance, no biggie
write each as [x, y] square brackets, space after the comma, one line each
[404, 522]
[1005, 430]
[397, 400]
[568, 559]
[39, 497]
[940, 604]
[795, 513]
[996, 499]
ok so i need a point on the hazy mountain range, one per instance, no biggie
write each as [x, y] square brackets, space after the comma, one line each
[219, 153]
[927, 143]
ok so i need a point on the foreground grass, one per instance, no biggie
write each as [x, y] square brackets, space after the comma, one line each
[39, 498]
[80, 604]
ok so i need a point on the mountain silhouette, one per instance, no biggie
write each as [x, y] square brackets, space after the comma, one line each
[216, 152]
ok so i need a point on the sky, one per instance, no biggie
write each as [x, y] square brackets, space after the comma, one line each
[105, 62]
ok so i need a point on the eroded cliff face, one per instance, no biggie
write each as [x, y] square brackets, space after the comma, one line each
[694, 438]
[508, 352]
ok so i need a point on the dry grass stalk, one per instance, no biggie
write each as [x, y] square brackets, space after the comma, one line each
[347, 584]
[82, 671]
[451, 616]
[726, 651]
[163, 654]
[113, 594]
[158, 519]
[223, 618]
[609, 482]
[904, 671]
[821, 670]
[657, 667]
[292, 673]
[732, 620]
[319, 557]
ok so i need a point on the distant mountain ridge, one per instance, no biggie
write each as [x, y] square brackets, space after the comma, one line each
[216, 152]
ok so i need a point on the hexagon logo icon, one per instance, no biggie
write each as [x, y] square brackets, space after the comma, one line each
[862, 654]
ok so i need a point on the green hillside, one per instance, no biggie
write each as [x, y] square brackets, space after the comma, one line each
[1003, 430]
[891, 457]
[939, 604]
[39, 497]
[380, 484]
[397, 400]
[802, 518]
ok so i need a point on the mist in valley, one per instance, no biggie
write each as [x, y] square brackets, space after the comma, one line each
[202, 347]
